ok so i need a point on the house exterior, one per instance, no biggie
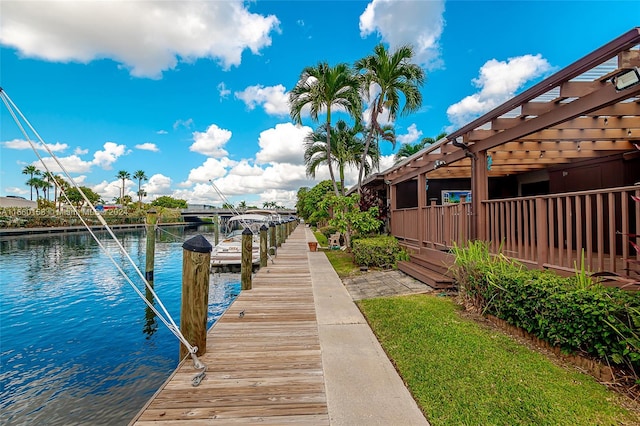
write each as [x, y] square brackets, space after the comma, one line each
[545, 177]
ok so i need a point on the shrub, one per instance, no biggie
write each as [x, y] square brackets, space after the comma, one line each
[569, 313]
[382, 252]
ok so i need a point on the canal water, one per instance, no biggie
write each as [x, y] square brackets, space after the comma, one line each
[77, 345]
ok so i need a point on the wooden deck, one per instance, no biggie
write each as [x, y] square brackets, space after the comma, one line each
[263, 367]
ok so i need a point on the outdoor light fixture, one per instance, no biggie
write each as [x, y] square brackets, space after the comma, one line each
[627, 78]
[439, 163]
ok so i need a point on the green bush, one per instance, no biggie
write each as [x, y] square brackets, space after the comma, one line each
[327, 231]
[566, 312]
[381, 252]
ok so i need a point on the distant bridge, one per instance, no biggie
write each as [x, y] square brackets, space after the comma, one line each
[194, 212]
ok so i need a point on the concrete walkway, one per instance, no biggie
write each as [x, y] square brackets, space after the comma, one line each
[363, 387]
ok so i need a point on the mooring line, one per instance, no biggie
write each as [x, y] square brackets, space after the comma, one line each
[168, 321]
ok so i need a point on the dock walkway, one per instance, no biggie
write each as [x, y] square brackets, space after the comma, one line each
[300, 353]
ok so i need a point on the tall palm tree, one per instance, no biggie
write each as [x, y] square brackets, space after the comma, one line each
[388, 76]
[124, 175]
[38, 184]
[323, 88]
[346, 149]
[32, 171]
[407, 150]
[140, 176]
[61, 186]
[50, 179]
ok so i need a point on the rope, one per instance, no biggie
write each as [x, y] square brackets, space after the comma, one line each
[168, 320]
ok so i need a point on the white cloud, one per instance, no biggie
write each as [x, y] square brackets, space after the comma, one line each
[147, 37]
[282, 144]
[162, 132]
[498, 81]
[211, 169]
[80, 151]
[157, 186]
[413, 134]
[72, 164]
[148, 146]
[211, 142]
[273, 99]
[223, 91]
[110, 190]
[400, 22]
[21, 144]
[187, 124]
[109, 155]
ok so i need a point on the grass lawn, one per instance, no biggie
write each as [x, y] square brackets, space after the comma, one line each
[462, 373]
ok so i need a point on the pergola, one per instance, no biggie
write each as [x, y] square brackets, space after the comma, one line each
[576, 114]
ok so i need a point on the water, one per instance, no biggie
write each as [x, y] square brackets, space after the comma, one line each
[77, 344]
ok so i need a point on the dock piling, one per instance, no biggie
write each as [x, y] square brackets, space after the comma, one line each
[196, 261]
[247, 262]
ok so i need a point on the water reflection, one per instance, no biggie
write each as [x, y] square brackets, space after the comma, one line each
[77, 344]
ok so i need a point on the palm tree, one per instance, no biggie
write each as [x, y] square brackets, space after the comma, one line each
[32, 171]
[242, 205]
[124, 175]
[390, 76]
[38, 184]
[346, 149]
[61, 186]
[407, 150]
[323, 88]
[50, 179]
[140, 176]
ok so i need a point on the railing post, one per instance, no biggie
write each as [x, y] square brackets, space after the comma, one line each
[246, 267]
[542, 232]
[263, 246]
[196, 265]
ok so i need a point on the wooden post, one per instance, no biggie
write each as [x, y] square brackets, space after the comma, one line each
[263, 246]
[152, 219]
[279, 234]
[196, 265]
[272, 237]
[247, 263]
[216, 229]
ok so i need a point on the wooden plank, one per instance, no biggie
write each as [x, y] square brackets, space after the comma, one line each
[264, 365]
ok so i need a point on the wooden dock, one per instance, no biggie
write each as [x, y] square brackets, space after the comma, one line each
[264, 366]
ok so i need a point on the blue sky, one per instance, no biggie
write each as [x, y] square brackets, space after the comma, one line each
[194, 91]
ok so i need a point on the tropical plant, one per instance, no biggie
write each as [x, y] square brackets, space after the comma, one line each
[228, 206]
[60, 186]
[123, 175]
[37, 184]
[308, 204]
[76, 198]
[140, 176]
[407, 150]
[170, 202]
[347, 216]
[385, 77]
[346, 148]
[322, 89]
[32, 171]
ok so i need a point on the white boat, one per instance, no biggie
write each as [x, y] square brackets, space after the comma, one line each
[228, 253]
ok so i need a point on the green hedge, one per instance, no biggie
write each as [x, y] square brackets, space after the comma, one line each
[575, 314]
[381, 252]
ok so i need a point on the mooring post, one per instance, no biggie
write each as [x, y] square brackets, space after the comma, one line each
[247, 263]
[263, 246]
[196, 265]
[272, 237]
[279, 234]
[216, 229]
[152, 219]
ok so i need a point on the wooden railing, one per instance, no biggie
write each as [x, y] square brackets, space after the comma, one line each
[554, 230]
[404, 224]
[550, 231]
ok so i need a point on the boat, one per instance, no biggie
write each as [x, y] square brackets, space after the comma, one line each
[227, 254]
